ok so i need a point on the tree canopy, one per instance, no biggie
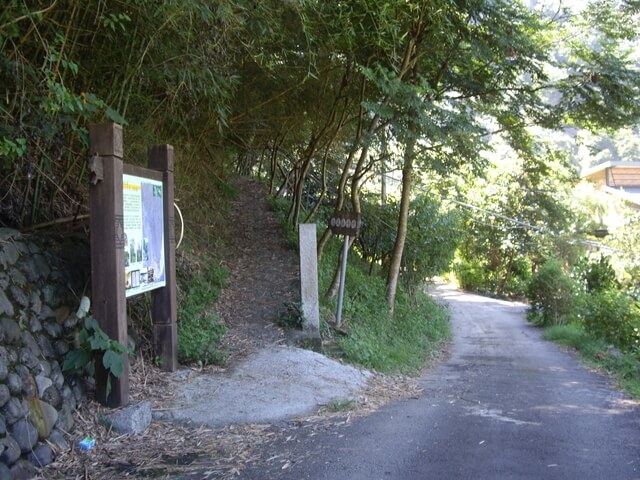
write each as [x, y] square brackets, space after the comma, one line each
[315, 97]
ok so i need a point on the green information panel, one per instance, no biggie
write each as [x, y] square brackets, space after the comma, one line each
[144, 264]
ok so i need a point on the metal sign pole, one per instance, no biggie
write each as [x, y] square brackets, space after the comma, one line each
[343, 274]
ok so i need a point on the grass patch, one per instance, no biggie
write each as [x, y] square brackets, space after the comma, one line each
[402, 344]
[340, 405]
[572, 335]
[291, 315]
[625, 367]
[200, 281]
[280, 207]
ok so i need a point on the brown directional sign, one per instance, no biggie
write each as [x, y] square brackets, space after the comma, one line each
[345, 223]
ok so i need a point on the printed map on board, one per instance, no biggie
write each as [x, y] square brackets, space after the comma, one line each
[144, 235]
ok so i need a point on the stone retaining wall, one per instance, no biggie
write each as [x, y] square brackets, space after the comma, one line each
[42, 279]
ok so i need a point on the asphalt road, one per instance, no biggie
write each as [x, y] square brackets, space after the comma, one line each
[506, 405]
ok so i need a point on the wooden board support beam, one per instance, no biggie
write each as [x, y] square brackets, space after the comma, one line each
[164, 304]
[107, 252]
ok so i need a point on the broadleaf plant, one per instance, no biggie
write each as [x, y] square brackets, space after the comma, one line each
[93, 341]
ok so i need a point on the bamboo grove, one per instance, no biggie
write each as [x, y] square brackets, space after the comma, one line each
[317, 98]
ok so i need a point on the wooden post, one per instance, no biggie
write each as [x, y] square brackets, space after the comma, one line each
[107, 252]
[164, 309]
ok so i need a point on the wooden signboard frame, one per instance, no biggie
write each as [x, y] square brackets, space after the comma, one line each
[107, 253]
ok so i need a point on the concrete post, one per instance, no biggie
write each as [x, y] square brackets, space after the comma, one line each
[309, 279]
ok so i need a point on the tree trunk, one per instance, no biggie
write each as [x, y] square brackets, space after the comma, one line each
[323, 192]
[341, 194]
[335, 281]
[355, 199]
[505, 278]
[273, 165]
[383, 169]
[405, 199]
[347, 166]
[287, 184]
[313, 146]
[296, 201]
[341, 124]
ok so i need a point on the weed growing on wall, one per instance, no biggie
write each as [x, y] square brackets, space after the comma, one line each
[291, 315]
[93, 340]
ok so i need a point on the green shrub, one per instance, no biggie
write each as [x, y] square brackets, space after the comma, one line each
[595, 275]
[398, 344]
[550, 293]
[469, 275]
[518, 280]
[432, 237]
[595, 351]
[94, 343]
[376, 238]
[606, 310]
[573, 335]
[614, 316]
[507, 281]
[291, 315]
[199, 329]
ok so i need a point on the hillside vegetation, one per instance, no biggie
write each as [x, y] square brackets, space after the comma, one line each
[428, 117]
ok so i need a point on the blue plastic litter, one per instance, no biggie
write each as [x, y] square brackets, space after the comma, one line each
[87, 443]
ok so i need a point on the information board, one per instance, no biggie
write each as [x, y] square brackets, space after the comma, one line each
[144, 263]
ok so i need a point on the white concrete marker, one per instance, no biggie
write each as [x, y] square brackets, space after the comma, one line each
[309, 279]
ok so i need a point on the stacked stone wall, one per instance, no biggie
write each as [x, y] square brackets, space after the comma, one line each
[42, 279]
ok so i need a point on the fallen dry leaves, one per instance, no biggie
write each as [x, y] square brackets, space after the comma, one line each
[168, 450]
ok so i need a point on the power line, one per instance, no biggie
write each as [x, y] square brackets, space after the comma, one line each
[590, 243]
[480, 209]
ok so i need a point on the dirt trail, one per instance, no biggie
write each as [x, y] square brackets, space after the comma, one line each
[263, 274]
